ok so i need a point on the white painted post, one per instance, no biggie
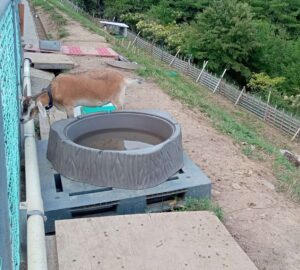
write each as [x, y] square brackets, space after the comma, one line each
[174, 58]
[266, 112]
[237, 101]
[202, 70]
[217, 86]
[152, 45]
[128, 45]
[281, 122]
[134, 39]
[296, 134]
[269, 96]
[188, 65]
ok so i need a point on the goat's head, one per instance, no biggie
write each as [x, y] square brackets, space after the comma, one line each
[31, 106]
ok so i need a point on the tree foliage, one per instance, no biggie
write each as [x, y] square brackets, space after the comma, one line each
[245, 36]
[263, 82]
[224, 34]
[282, 14]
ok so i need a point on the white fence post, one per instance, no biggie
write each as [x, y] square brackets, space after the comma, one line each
[174, 58]
[237, 101]
[202, 70]
[128, 45]
[266, 113]
[217, 86]
[188, 65]
[296, 134]
[134, 40]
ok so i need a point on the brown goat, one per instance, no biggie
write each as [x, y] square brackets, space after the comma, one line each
[66, 91]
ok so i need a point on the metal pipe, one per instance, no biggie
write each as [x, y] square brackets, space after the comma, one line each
[36, 245]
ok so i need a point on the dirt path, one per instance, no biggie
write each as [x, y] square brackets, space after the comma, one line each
[263, 222]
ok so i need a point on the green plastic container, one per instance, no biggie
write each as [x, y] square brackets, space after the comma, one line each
[105, 108]
[172, 73]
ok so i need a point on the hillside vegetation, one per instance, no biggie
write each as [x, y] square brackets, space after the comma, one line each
[256, 40]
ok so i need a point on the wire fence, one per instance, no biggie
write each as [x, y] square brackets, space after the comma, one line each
[10, 75]
[277, 118]
[272, 116]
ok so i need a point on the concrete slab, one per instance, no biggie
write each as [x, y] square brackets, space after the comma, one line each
[50, 61]
[166, 241]
[39, 79]
[30, 33]
[51, 250]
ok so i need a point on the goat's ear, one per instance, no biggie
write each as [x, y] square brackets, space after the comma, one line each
[25, 91]
[41, 108]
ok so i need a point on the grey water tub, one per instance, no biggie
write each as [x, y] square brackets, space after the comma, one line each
[130, 168]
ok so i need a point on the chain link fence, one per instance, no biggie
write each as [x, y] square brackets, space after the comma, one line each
[10, 82]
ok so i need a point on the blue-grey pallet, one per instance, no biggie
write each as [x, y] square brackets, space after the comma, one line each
[64, 198]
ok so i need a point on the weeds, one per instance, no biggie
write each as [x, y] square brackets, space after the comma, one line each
[62, 33]
[57, 18]
[192, 204]
[80, 17]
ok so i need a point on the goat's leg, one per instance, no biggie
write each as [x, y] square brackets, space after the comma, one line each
[70, 112]
[119, 99]
[118, 105]
[48, 117]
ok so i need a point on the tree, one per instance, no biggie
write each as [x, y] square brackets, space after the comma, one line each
[116, 8]
[225, 35]
[276, 56]
[169, 11]
[294, 101]
[262, 82]
[283, 14]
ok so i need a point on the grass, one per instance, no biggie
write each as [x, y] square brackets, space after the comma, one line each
[238, 125]
[57, 18]
[192, 204]
[62, 33]
[80, 17]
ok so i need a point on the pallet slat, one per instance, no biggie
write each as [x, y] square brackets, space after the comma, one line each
[68, 199]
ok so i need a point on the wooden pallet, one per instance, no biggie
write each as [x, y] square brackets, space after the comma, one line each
[65, 199]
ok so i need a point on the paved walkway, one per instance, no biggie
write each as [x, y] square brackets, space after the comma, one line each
[30, 33]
